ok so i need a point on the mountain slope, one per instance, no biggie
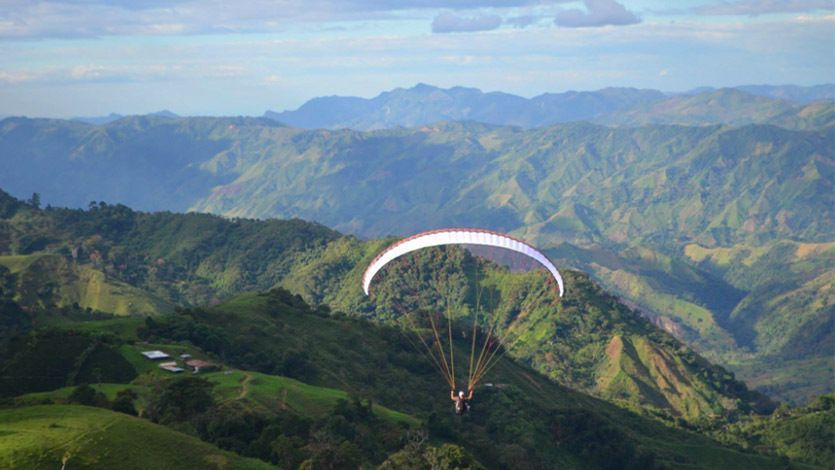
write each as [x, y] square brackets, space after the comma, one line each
[522, 418]
[52, 280]
[205, 258]
[145, 263]
[545, 419]
[710, 184]
[150, 162]
[578, 341]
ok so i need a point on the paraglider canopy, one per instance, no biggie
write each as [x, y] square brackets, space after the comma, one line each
[456, 236]
[493, 347]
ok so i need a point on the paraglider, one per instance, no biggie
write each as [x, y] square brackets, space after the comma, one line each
[456, 236]
[443, 358]
[462, 403]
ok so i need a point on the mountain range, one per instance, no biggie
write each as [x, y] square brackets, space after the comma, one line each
[720, 230]
[425, 104]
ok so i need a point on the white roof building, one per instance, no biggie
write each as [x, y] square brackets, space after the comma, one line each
[154, 355]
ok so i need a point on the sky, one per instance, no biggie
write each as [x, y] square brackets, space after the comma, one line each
[65, 58]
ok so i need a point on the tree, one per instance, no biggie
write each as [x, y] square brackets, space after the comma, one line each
[448, 456]
[35, 200]
[87, 395]
[180, 399]
[124, 402]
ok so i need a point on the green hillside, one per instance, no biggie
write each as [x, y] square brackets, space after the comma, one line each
[523, 416]
[120, 261]
[261, 393]
[573, 341]
[662, 184]
[62, 436]
[53, 280]
[149, 162]
[199, 259]
[378, 362]
[711, 184]
[802, 433]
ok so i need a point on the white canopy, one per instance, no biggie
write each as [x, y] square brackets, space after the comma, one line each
[456, 236]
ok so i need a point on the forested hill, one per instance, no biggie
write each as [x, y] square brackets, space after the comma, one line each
[110, 258]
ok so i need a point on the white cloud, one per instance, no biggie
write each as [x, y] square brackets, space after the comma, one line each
[451, 23]
[523, 21]
[598, 13]
[95, 18]
[16, 77]
[237, 73]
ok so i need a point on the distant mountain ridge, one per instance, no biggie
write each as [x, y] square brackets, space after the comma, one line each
[798, 94]
[424, 104]
[101, 120]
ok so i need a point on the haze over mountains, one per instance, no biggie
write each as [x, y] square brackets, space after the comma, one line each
[720, 230]
[424, 104]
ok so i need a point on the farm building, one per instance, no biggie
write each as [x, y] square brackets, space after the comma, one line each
[155, 355]
[171, 367]
[199, 365]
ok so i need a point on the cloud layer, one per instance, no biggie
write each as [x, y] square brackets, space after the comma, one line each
[451, 23]
[88, 57]
[598, 13]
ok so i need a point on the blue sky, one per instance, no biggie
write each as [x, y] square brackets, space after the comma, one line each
[66, 58]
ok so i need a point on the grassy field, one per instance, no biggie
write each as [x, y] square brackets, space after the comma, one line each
[273, 391]
[49, 436]
[259, 391]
